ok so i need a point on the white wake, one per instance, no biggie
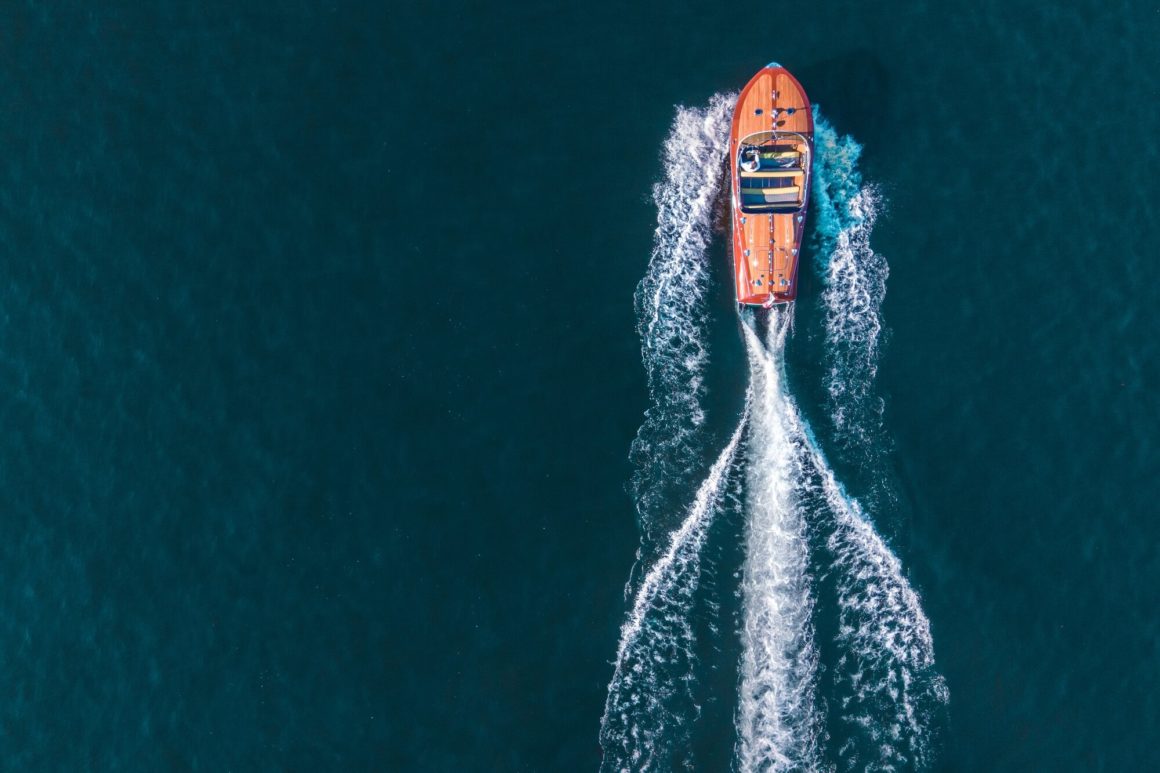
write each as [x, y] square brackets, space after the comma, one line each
[887, 688]
[649, 703]
[654, 660]
[879, 698]
[778, 721]
[671, 315]
[854, 286]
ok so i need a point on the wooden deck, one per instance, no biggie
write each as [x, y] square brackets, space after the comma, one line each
[766, 247]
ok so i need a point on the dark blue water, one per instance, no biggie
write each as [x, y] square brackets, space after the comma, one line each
[320, 371]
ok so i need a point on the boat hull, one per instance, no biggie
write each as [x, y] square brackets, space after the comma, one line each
[767, 227]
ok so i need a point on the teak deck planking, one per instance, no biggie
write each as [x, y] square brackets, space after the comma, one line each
[772, 240]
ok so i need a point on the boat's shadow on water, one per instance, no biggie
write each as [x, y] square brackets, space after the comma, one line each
[722, 230]
[854, 92]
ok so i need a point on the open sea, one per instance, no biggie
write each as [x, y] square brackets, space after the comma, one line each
[372, 394]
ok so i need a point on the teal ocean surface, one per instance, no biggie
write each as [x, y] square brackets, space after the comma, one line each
[373, 395]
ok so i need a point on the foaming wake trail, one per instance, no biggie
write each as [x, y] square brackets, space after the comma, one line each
[779, 724]
[888, 688]
[649, 703]
[649, 698]
[670, 311]
[885, 686]
[854, 278]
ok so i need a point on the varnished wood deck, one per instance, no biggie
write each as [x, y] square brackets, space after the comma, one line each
[766, 247]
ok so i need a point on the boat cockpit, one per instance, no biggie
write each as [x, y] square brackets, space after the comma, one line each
[772, 169]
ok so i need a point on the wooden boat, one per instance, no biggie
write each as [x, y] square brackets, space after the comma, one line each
[771, 149]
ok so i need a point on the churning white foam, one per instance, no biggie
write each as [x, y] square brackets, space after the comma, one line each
[887, 683]
[854, 286]
[655, 657]
[670, 308]
[649, 698]
[779, 724]
[888, 687]
[854, 289]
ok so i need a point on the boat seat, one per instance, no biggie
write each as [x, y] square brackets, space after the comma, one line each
[780, 193]
[781, 154]
[793, 161]
[781, 173]
[766, 184]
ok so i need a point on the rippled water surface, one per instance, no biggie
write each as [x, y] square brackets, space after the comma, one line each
[324, 402]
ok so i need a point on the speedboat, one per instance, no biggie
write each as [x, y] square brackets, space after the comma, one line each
[771, 148]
